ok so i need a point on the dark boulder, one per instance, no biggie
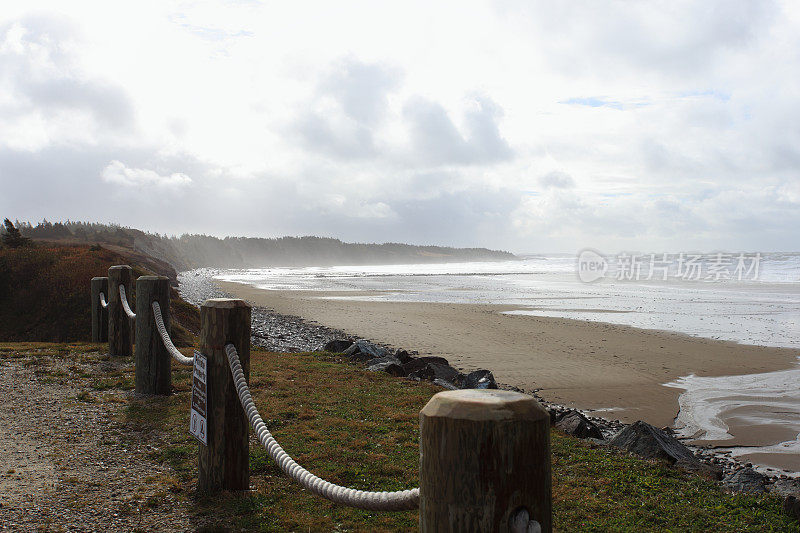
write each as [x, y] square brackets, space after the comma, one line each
[574, 423]
[432, 371]
[416, 363]
[337, 346]
[367, 349]
[404, 356]
[650, 442]
[386, 364]
[712, 472]
[786, 487]
[388, 359]
[479, 379]
[745, 480]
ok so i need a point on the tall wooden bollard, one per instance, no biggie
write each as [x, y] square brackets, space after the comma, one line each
[99, 313]
[484, 460]
[120, 332]
[225, 462]
[153, 361]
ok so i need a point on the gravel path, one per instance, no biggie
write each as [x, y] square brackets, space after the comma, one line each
[70, 464]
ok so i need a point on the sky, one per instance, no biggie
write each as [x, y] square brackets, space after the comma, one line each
[529, 126]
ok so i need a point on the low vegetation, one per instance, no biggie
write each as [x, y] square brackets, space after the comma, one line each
[45, 296]
[360, 429]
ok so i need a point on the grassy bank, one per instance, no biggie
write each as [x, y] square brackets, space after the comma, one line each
[45, 296]
[360, 429]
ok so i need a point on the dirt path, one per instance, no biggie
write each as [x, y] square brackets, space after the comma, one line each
[68, 462]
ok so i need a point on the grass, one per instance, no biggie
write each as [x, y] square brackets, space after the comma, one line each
[361, 429]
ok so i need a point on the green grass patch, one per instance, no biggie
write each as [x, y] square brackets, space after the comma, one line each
[361, 429]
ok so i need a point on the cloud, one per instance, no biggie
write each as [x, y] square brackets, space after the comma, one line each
[672, 124]
[117, 173]
[47, 97]
[436, 140]
[557, 180]
[348, 106]
[361, 89]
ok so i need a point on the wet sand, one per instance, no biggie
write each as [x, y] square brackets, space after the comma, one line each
[617, 371]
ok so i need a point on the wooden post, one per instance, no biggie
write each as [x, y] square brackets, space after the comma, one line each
[225, 462]
[99, 314]
[153, 361]
[120, 334]
[484, 461]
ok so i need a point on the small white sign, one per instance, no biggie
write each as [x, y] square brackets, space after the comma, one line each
[198, 425]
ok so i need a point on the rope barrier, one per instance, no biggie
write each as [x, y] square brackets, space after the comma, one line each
[162, 330]
[125, 305]
[373, 501]
[103, 302]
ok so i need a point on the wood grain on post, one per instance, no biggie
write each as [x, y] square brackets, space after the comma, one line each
[225, 462]
[153, 361]
[484, 456]
[99, 314]
[120, 330]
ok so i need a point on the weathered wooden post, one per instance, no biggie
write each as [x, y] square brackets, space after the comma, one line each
[99, 313]
[120, 332]
[153, 361]
[224, 462]
[484, 462]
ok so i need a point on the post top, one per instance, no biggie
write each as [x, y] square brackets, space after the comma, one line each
[152, 278]
[120, 267]
[225, 303]
[482, 404]
[99, 277]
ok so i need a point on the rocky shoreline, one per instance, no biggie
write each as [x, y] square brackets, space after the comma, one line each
[284, 333]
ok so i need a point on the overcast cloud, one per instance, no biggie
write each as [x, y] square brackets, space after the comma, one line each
[529, 126]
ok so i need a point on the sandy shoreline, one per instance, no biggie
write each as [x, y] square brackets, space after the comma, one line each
[617, 371]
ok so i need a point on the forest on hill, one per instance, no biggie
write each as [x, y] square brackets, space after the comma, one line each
[194, 251]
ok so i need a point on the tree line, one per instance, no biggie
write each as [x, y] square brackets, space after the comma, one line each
[192, 250]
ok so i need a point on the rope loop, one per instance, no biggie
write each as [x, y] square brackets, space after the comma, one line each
[124, 301]
[162, 330]
[373, 501]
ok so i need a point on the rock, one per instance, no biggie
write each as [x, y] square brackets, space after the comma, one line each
[385, 364]
[745, 480]
[553, 415]
[404, 356]
[574, 423]
[650, 442]
[388, 359]
[416, 363]
[479, 379]
[791, 506]
[365, 347]
[708, 471]
[432, 371]
[446, 384]
[786, 487]
[337, 346]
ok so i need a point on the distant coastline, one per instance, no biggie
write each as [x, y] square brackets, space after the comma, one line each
[195, 251]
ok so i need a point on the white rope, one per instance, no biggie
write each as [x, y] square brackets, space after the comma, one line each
[162, 330]
[103, 302]
[373, 501]
[125, 305]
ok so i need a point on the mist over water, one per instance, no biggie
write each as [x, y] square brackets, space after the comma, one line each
[765, 311]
